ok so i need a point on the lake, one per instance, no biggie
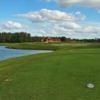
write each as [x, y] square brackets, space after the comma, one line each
[6, 53]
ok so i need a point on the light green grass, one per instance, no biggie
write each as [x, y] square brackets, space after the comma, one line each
[60, 75]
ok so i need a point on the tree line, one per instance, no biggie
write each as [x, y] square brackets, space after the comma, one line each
[95, 40]
[19, 37]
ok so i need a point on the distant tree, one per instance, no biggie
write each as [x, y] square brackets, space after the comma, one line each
[14, 37]
[63, 39]
[36, 39]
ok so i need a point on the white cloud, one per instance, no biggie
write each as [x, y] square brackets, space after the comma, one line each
[48, 0]
[12, 25]
[68, 25]
[62, 28]
[80, 15]
[88, 3]
[46, 15]
[71, 30]
[98, 10]
[92, 29]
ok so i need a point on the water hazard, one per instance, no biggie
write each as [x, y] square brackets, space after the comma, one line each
[6, 53]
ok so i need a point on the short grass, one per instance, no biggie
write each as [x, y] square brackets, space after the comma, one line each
[60, 75]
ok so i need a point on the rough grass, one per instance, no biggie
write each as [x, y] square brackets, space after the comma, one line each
[60, 75]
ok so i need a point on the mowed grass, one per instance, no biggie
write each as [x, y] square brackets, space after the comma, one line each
[60, 75]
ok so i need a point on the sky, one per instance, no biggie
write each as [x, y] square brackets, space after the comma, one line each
[70, 18]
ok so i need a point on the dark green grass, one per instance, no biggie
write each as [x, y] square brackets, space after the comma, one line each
[35, 46]
[60, 75]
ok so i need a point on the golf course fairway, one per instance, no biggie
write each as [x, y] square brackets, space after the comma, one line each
[59, 75]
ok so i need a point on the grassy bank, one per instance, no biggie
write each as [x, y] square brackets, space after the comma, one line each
[60, 75]
[36, 46]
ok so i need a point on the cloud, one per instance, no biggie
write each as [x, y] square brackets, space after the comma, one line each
[48, 0]
[62, 28]
[98, 10]
[68, 25]
[71, 30]
[12, 25]
[88, 3]
[58, 23]
[45, 15]
[92, 29]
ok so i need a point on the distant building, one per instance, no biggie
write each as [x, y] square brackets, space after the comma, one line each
[50, 40]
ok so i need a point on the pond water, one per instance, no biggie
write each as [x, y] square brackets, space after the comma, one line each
[6, 53]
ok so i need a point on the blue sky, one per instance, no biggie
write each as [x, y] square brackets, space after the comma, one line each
[70, 18]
